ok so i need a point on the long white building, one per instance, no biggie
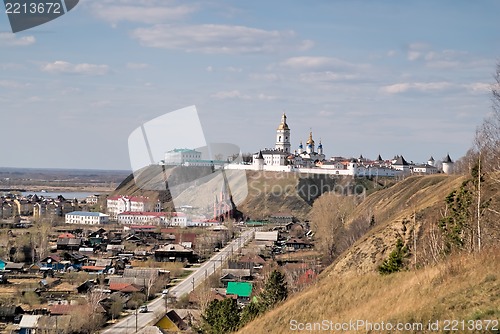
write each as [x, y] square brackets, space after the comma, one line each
[153, 218]
[86, 218]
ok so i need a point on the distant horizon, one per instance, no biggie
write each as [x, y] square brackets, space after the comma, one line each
[67, 169]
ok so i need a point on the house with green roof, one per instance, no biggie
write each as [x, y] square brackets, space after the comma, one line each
[241, 289]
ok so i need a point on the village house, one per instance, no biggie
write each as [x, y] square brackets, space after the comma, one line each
[174, 253]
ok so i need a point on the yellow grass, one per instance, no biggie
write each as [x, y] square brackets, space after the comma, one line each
[465, 287]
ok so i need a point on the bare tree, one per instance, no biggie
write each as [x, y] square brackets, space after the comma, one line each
[487, 139]
[152, 278]
[329, 216]
[486, 153]
[40, 237]
[89, 317]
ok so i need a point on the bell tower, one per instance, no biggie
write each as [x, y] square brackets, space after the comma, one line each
[283, 136]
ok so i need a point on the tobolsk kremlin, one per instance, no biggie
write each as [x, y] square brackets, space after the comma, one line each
[310, 158]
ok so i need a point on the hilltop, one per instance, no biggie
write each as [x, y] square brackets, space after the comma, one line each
[257, 194]
[459, 286]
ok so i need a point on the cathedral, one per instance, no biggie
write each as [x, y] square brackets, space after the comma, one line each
[223, 204]
[281, 155]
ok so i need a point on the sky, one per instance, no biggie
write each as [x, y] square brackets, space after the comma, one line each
[366, 77]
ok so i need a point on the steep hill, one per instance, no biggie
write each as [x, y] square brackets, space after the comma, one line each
[463, 286]
[256, 194]
[421, 197]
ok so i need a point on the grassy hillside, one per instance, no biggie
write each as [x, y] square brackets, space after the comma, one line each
[464, 286]
[419, 196]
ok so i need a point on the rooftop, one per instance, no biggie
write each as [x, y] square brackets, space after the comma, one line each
[87, 214]
[241, 289]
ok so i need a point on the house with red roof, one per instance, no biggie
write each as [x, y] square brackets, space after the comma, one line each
[307, 277]
[124, 287]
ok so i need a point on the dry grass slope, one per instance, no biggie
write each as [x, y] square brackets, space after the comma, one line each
[464, 287]
[421, 194]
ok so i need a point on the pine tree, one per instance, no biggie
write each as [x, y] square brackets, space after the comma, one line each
[395, 261]
[250, 312]
[221, 316]
[275, 290]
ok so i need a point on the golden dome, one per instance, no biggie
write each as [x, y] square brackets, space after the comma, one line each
[283, 125]
[310, 140]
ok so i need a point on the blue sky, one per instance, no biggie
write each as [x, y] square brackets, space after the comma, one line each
[367, 77]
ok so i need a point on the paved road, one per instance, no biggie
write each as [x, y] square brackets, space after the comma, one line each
[157, 306]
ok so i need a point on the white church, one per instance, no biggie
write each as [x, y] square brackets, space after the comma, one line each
[282, 156]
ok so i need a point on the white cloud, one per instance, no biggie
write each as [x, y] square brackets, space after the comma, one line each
[236, 94]
[151, 11]
[310, 62]
[306, 45]
[416, 51]
[418, 46]
[474, 88]
[231, 94]
[326, 76]
[326, 113]
[479, 87]
[432, 86]
[391, 53]
[396, 88]
[60, 66]
[137, 66]
[264, 76]
[9, 39]
[414, 55]
[100, 104]
[11, 84]
[11, 66]
[209, 69]
[216, 38]
[416, 86]
[320, 63]
[266, 97]
[444, 59]
[234, 69]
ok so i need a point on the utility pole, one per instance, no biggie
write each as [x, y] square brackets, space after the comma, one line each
[166, 302]
[193, 283]
[479, 203]
[136, 318]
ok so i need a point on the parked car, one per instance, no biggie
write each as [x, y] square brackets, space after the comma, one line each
[143, 309]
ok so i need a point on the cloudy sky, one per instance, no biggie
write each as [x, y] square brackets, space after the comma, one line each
[367, 77]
